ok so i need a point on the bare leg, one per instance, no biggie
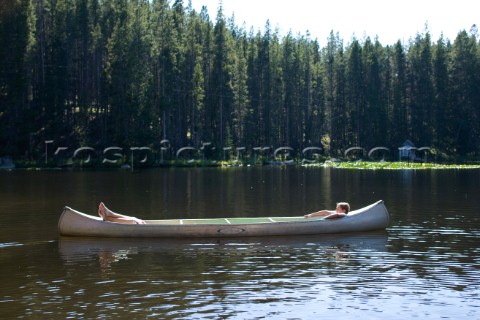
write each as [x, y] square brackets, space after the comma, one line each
[108, 215]
[104, 212]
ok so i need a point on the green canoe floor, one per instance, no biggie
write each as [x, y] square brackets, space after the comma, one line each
[228, 220]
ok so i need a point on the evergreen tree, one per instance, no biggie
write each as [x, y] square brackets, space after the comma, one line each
[464, 82]
[160, 27]
[195, 90]
[375, 114]
[315, 124]
[240, 92]
[355, 95]
[442, 130]
[339, 131]
[276, 92]
[221, 100]
[420, 98]
[398, 109]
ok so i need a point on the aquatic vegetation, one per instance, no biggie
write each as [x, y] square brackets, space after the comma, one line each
[368, 165]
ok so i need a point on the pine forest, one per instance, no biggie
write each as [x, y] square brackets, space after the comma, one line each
[126, 73]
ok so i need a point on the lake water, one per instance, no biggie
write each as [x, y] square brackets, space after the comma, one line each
[425, 265]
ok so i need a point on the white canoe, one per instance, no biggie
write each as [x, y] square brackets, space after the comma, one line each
[369, 218]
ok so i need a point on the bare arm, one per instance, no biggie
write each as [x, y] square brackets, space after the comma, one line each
[319, 213]
[336, 215]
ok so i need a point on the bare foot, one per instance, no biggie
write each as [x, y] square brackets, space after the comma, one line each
[103, 211]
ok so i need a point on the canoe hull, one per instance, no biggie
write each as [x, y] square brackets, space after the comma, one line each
[75, 223]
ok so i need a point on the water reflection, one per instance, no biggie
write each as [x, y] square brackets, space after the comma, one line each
[216, 278]
[274, 277]
[109, 251]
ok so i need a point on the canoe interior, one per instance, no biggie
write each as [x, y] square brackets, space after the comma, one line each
[226, 221]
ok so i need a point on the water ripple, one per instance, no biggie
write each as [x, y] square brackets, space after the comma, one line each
[301, 278]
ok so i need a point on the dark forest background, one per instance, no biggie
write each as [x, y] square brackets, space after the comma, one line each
[135, 72]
